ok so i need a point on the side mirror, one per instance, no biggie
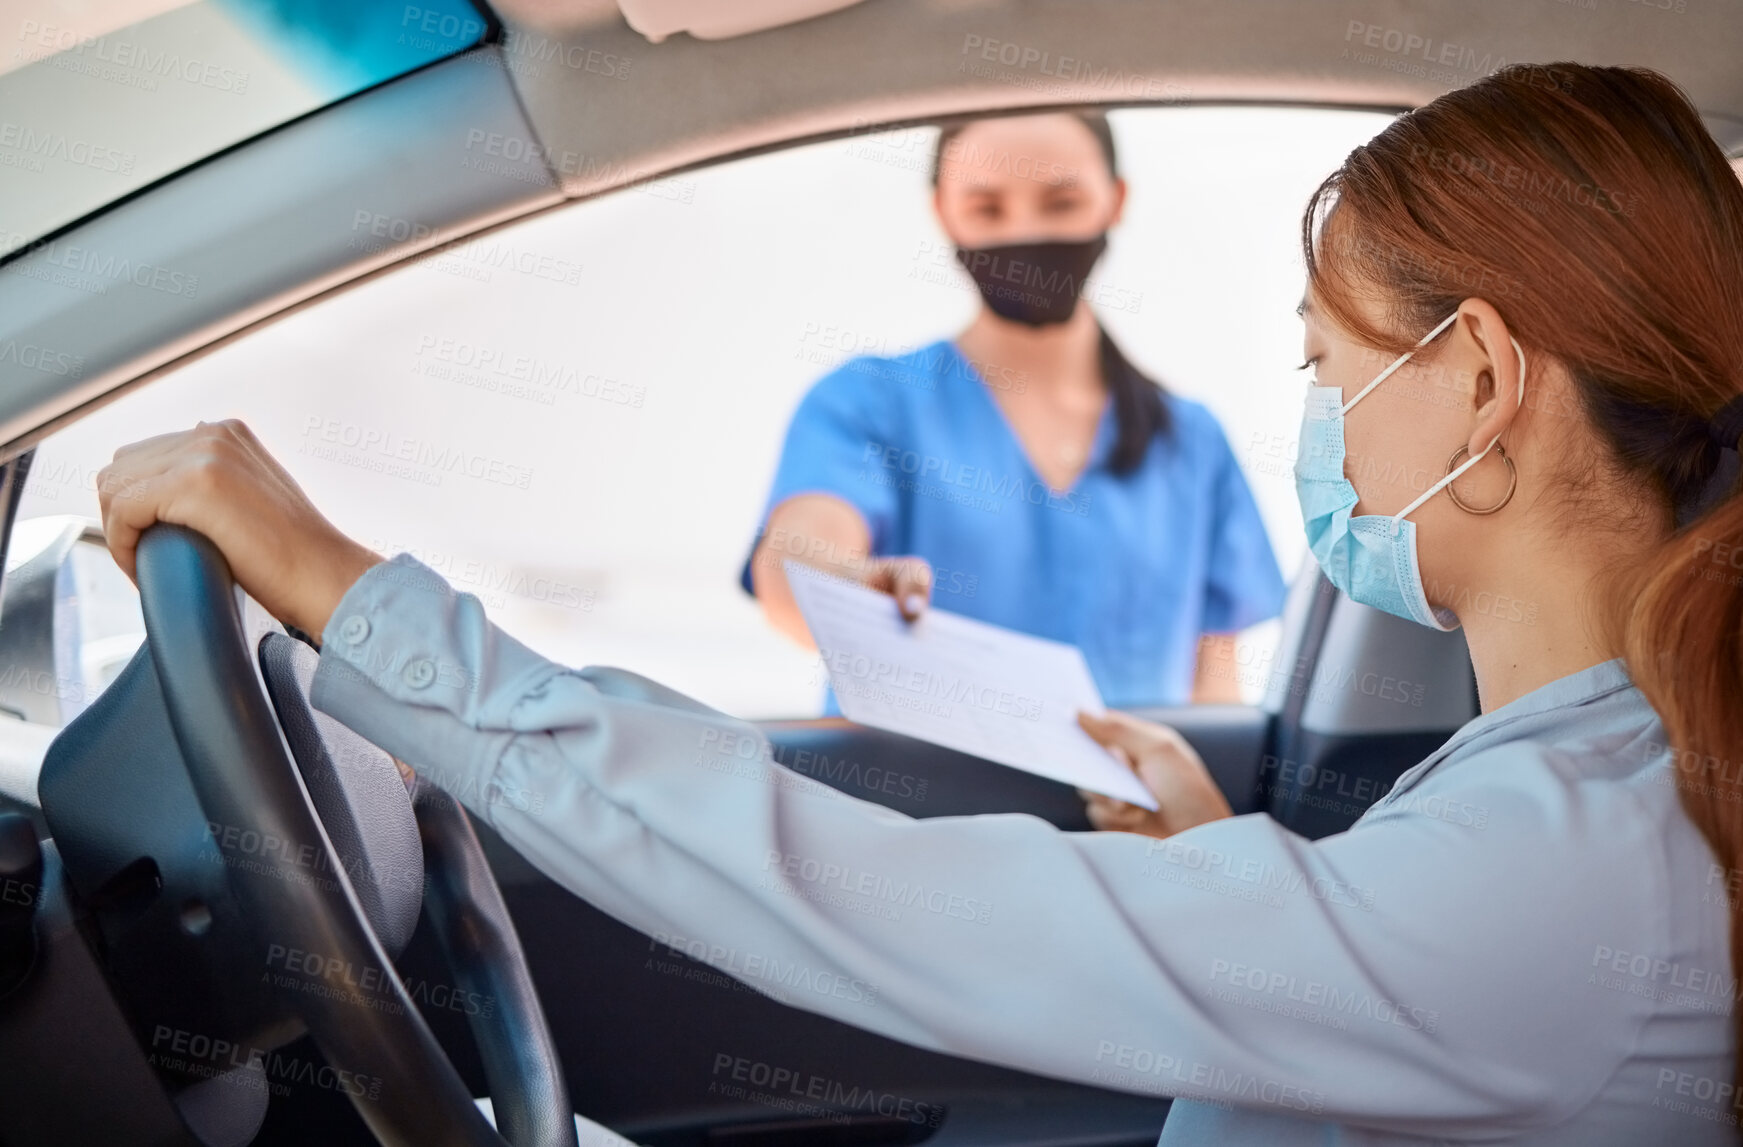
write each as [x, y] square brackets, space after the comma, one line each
[69, 619]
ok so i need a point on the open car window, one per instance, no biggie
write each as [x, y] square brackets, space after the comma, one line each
[577, 417]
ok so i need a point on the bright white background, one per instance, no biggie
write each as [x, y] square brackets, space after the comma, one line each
[715, 299]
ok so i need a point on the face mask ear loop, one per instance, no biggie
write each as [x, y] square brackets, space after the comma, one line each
[1400, 361]
[1473, 459]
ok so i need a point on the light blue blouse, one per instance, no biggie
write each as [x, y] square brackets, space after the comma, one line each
[1524, 942]
[1130, 568]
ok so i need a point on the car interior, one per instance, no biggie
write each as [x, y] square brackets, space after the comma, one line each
[152, 742]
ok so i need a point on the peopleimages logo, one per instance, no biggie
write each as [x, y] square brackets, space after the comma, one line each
[194, 1053]
[1319, 994]
[33, 357]
[337, 978]
[528, 160]
[767, 973]
[781, 1086]
[445, 28]
[1040, 69]
[76, 261]
[376, 232]
[489, 582]
[36, 146]
[748, 746]
[1179, 857]
[547, 377]
[431, 458]
[938, 263]
[1199, 1080]
[130, 62]
[856, 882]
[522, 49]
[856, 673]
[922, 468]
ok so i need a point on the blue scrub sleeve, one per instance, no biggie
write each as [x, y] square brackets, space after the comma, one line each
[1243, 583]
[835, 445]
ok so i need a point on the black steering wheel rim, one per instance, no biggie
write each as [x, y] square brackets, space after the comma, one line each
[243, 774]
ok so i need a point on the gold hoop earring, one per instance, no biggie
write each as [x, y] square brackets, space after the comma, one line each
[1512, 481]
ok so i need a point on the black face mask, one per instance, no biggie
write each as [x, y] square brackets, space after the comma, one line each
[1033, 283]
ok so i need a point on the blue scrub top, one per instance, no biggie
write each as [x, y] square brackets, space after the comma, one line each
[1131, 569]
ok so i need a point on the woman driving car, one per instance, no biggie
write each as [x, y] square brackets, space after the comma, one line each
[1518, 943]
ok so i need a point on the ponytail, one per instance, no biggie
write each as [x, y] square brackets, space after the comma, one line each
[1139, 410]
[1678, 621]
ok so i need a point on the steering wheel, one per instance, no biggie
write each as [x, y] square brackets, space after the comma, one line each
[243, 774]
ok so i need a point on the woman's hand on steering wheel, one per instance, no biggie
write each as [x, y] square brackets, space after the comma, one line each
[218, 479]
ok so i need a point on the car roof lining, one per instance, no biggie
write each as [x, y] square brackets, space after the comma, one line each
[685, 101]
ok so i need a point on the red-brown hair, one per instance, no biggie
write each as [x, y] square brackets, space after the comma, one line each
[1592, 208]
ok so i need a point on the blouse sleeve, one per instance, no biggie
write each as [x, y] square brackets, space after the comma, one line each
[1426, 974]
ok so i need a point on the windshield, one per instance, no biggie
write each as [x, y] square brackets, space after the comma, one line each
[100, 99]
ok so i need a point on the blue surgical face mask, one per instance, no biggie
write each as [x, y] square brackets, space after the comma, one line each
[1370, 557]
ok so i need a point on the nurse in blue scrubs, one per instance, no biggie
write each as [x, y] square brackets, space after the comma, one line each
[1024, 472]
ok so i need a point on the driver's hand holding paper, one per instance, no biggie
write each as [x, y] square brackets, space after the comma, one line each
[1170, 768]
[960, 683]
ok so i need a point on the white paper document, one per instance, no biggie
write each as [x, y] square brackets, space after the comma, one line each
[961, 683]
